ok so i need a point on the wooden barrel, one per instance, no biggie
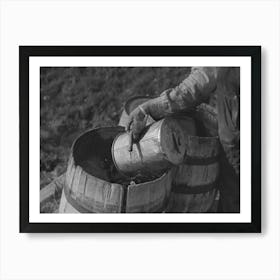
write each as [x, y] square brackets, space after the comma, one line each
[93, 185]
[130, 105]
[87, 185]
[195, 184]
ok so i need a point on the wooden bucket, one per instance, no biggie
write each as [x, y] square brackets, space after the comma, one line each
[92, 185]
[130, 105]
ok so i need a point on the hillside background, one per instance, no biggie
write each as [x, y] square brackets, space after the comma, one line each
[75, 99]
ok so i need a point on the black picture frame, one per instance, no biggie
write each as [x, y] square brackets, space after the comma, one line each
[25, 52]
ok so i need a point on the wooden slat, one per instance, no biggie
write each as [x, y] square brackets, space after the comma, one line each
[102, 196]
[47, 192]
[65, 206]
[76, 180]
[68, 172]
[71, 176]
[50, 190]
[82, 183]
[94, 188]
[63, 202]
[148, 197]
[117, 194]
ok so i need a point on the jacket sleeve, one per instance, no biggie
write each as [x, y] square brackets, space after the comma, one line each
[187, 95]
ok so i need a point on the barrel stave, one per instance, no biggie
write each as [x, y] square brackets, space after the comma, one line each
[149, 197]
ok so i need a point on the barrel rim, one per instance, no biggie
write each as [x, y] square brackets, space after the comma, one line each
[95, 129]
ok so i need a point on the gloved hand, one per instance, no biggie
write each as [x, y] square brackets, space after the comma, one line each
[157, 108]
[136, 123]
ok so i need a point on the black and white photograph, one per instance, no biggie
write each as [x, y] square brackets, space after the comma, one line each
[142, 133]
[140, 140]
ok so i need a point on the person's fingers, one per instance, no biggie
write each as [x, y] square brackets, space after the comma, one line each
[134, 136]
[137, 130]
[128, 124]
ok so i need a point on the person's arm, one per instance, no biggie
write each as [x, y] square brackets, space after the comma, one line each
[187, 95]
